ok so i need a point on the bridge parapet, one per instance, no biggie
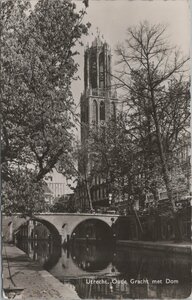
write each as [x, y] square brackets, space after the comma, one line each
[62, 224]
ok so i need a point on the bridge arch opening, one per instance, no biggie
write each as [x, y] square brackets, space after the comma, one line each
[30, 230]
[52, 229]
[92, 229]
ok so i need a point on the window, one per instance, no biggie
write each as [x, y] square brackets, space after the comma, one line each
[102, 111]
[95, 112]
[108, 71]
[113, 110]
[101, 70]
[50, 178]
[93, 70]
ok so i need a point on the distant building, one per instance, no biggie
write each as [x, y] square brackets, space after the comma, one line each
[57, 186]
[49, 199]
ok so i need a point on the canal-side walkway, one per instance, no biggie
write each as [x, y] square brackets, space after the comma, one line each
[166, 246]
[25, 279]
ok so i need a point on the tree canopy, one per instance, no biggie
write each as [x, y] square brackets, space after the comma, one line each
[38, 67]
[154, 76]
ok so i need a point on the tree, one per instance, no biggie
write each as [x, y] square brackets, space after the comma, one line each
[109, 147]
[117, 160]
[83, 172]
[21, 194]
[97, 160]
[154, 77]
[63, 204]
[38, 66]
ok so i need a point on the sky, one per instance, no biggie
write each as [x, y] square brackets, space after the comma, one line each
[113, 17]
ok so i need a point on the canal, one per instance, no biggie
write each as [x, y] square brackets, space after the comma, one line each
[107, 271]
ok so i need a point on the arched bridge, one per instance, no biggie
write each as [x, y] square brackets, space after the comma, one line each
[65, 225]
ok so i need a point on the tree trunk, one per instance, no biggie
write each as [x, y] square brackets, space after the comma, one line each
[88, 193]
[138, 222]
[177, 228]
[178, 236]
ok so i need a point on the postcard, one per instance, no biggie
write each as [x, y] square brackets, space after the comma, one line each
[96, 149]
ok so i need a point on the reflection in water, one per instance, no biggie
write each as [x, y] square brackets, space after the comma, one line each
[42, 251]
[101, 271]
[91, 257]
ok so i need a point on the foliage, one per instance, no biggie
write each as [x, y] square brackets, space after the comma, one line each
[38, 66]
[21, 194]
[154, 78]
[116, 158]
[63, 204]
[109, 154]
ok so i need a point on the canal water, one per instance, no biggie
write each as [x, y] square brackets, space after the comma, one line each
[106, 271]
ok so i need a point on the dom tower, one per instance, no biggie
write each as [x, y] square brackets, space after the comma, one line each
[98, 102]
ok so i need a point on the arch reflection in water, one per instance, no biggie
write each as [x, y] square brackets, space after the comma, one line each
[84, 260]
[45, 252]
[116, 267]
[91, 257]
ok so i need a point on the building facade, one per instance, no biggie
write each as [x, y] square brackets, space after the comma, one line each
[57, 186]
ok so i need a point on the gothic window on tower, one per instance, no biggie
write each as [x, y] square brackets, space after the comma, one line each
[109, 72]
[87, 114]
[82, 115]
[95, 113]
[101, 70]
[93, 69]
[102, 111]
[85, 70]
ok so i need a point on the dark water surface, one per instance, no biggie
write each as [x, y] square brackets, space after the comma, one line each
[98, 271]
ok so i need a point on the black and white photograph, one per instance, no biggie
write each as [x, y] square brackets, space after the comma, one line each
[96, 187]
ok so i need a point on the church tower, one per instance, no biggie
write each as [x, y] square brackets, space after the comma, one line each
[99, 100]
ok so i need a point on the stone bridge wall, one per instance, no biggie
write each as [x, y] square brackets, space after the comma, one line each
[63, 223]
[9, 225]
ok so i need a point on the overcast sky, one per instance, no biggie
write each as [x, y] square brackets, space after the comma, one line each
[114, 17]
